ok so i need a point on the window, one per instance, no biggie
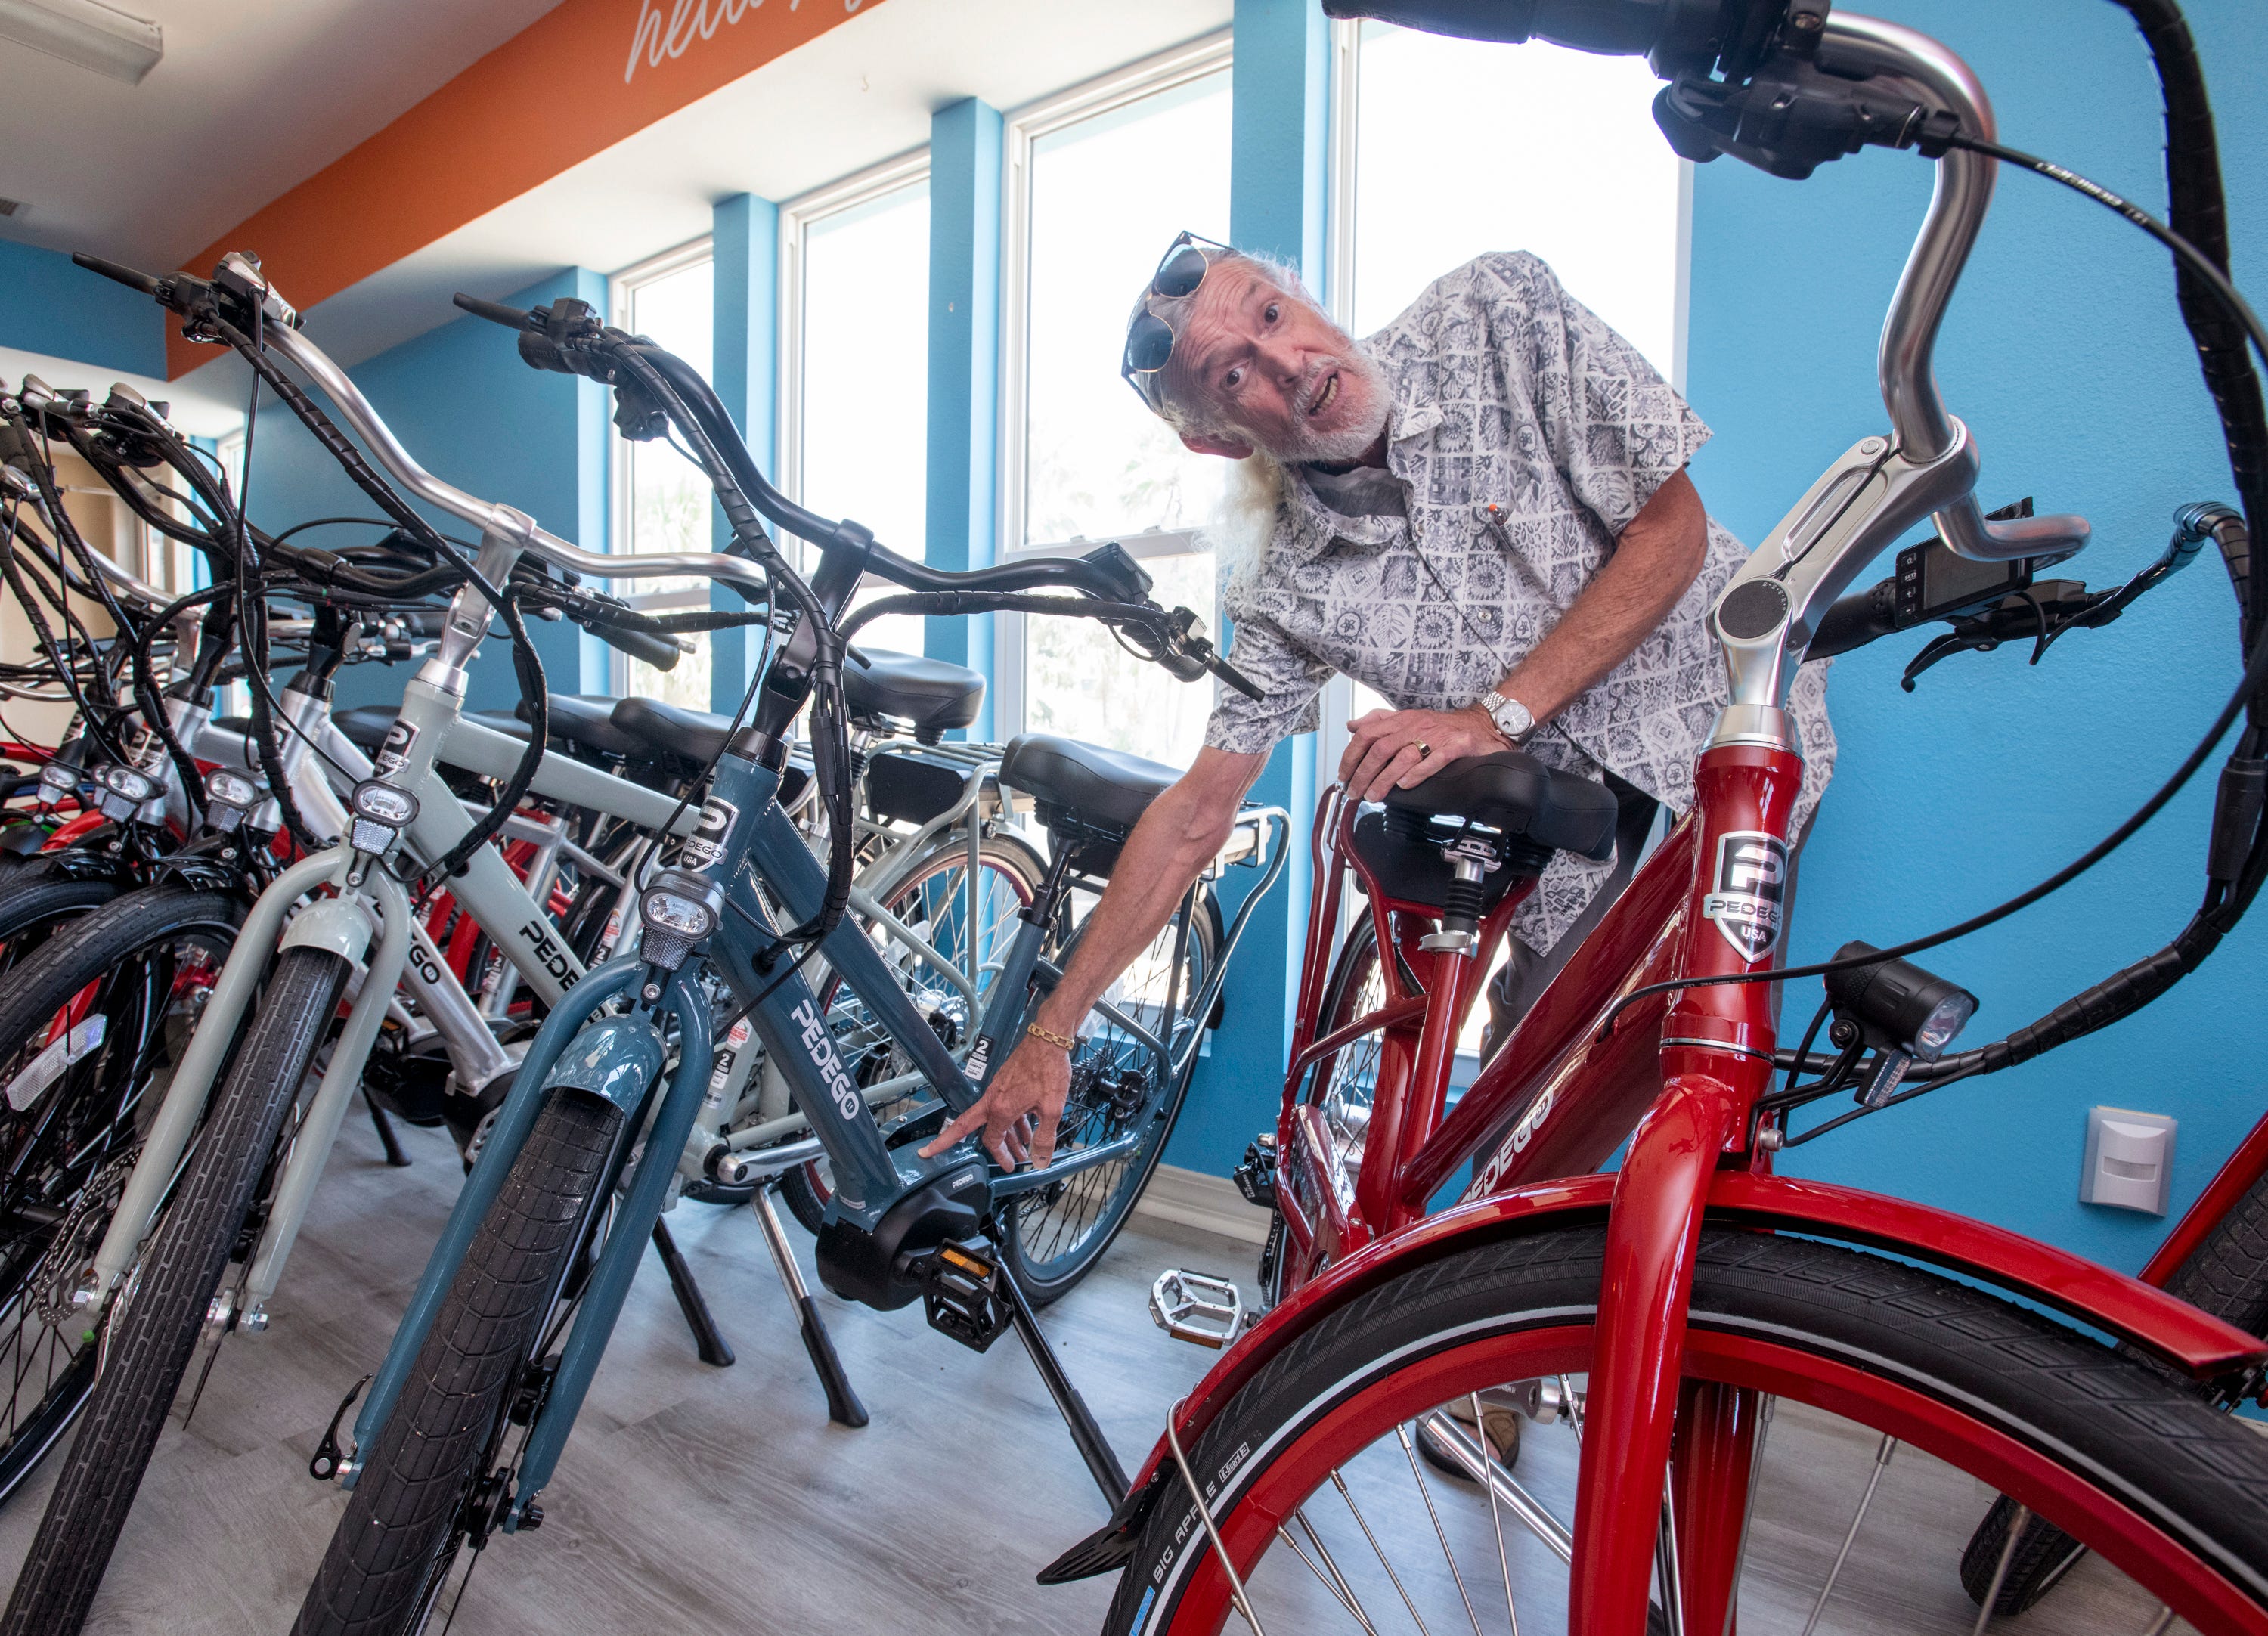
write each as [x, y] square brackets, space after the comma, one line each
[1443, 149]
[1581, 177]
[662, 503]
[1100, 180]
[855, 391]
[1461, 147]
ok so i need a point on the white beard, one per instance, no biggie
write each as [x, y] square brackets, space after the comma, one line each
[1360, 374]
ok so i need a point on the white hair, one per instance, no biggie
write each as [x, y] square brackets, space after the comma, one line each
[1240, 532]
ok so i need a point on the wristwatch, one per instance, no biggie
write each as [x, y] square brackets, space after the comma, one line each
[1512, 719]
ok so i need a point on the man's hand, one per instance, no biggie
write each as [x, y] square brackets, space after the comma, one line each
[1395, 749]
[1020, 1110]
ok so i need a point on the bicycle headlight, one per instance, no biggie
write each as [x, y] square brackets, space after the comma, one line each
[129, 785]
[682, 904]
[384, 803]
[1901, 1007]
[227, 788]
[123, 792]
[381, 813]
[57, 780]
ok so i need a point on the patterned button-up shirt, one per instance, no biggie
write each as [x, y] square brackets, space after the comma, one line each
[1525, 435]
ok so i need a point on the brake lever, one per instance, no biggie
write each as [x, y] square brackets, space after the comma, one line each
[1197, 655]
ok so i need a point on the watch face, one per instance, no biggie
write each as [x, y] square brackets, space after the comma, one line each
[1512, 717]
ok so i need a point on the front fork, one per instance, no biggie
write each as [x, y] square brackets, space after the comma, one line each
[1717, 1052]
[619, 1059]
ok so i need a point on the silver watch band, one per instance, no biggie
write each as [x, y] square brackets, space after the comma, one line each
[1512, 719]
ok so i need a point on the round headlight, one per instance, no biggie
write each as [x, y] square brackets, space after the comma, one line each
[1945, 1018]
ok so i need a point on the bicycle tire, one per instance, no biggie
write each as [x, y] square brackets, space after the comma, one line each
[1818, 1316]
[805, 1188]
[1047, 1280]
[105, 947]
[2226, 1275]
[34, 901]
[380, 1567]
[157, 1329]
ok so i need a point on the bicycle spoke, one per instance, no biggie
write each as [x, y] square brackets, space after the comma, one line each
[1502, 1484]
[1346, 1586]
[2000, 1569]
[1347, 1495]
[1409, 1453]
[1874, 1480]
[1495, 1527]
[1329, 1583]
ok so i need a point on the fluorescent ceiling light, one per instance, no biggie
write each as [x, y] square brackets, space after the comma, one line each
[86, 33]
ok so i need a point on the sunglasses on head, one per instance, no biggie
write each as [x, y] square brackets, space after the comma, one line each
[1150, 338]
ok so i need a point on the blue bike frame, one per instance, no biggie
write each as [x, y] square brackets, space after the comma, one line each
[621, 1059]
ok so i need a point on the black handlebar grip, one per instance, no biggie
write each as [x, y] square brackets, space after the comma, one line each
[495, 312]
[642, 646]
[126, 276]
[1853, 621]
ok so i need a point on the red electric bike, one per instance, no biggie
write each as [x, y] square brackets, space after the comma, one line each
[1736, 1357]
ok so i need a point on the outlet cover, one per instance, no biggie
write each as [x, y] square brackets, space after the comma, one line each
[2130, 1159]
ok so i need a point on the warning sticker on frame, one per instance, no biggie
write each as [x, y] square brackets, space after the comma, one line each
[1748, 892]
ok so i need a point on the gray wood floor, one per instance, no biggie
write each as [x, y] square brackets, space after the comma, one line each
[695, 1500]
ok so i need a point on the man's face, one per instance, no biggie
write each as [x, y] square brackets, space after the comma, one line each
[1272, 368]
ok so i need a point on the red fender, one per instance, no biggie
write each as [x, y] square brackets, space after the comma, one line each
[2193, 1341]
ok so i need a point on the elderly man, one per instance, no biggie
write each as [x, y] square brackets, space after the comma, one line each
[1483, 513]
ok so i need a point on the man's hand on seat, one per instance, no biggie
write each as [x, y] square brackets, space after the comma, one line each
[1395, 749]
[1020, 1110]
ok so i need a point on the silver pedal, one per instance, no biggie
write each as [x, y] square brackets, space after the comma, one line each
[1197, 1307]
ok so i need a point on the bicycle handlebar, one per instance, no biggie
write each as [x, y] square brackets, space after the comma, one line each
[556, 340]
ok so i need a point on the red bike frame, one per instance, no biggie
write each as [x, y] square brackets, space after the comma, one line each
[1680, 1074]
[1557, 1101]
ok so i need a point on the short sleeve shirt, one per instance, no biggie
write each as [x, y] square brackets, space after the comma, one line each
[1524, 436]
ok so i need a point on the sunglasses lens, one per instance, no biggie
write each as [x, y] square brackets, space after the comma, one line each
[1183, 271]
[1149, 343]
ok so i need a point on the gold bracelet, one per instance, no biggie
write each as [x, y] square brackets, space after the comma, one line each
[1061, 1041]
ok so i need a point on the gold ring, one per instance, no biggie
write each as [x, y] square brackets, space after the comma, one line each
[1424, 748]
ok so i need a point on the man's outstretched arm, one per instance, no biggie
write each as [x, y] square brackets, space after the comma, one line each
[1183, 831]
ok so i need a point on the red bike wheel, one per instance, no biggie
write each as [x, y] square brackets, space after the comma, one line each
[1900, 1403]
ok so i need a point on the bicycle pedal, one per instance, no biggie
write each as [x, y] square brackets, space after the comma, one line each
[962, 1296]
[1197, 1307]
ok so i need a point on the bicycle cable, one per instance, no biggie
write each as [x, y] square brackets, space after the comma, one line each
[2254, 677]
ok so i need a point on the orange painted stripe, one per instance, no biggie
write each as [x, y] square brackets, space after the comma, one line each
[570, 85]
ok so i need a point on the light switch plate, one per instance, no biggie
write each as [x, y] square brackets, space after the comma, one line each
[2130, 1159]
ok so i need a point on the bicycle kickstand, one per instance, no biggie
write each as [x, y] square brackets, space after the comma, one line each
[708, 1340]
[842, 1405]
[1085, 1434]
[386, 1138]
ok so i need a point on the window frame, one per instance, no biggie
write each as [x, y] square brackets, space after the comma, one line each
[1345, 126]
[1105, 93]
[797, 217]
[622, 293]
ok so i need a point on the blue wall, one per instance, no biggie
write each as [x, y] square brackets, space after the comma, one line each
[59, 309]
[2066, 355]
[465, 406]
